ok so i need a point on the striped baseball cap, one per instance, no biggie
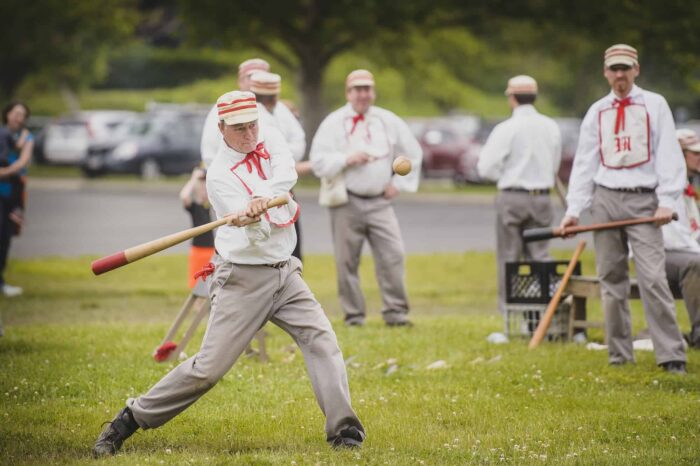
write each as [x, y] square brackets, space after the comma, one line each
[621, 54]
[688, 139]
[521, 84]
[264, 83]
[359, 78]
[252, 65]
[237, 107]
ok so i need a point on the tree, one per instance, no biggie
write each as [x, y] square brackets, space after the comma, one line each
[302, 34]
[62, 41]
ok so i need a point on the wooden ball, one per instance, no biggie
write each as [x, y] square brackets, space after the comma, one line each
[401, 165]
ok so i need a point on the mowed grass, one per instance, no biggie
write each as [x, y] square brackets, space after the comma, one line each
[77, 346]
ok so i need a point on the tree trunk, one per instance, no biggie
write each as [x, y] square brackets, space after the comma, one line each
[313, 109]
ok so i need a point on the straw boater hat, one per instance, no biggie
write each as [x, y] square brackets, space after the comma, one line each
[237, 107]
[521, 84]
[359, 78]
[250, 66]
[621, 54]
[689, 139]
[264, 83]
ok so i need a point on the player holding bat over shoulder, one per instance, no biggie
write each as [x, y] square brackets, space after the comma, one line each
[628, 164]
[255, 280]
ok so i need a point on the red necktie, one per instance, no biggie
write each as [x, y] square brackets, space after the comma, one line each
[355, 119]
[620, 120]
[252, 159]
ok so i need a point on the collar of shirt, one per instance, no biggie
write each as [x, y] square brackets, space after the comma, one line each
[349, 112]
[525, 109]
[634, 94]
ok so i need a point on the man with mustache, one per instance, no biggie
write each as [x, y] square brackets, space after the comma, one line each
[629, 164]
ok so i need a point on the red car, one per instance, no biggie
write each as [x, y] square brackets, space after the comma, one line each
[450, 148]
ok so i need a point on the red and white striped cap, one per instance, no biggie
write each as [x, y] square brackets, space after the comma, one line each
[359, 78]
[621, 54]
[264, 83]
[253, 65]
[689, 139]
[521, 84]
[237, 107]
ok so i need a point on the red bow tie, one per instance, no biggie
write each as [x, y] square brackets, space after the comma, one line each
[690, 191]
[355, 119]
[252, 159]
[620, 120]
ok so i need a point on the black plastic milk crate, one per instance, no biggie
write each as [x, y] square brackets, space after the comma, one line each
[534, 282]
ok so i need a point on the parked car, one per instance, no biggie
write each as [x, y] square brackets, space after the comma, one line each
[450, 148]
[160, 142]
[66, 140]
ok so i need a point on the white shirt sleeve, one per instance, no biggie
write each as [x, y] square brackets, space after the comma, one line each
[292, 131]
[556, 134]
[669, 163]
[407, 145]
[211, 137]
[327, 160]
[585, 165]
[494, 153]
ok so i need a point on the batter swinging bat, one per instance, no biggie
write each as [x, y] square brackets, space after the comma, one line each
[135, 253]
[539, 234]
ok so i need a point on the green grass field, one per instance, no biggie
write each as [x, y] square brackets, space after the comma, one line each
[76, 346]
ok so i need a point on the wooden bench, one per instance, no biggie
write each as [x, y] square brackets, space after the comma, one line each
[582, 288]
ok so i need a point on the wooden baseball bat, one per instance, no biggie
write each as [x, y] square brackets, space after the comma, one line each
[539, 234]
[127, 256]
[542, 327]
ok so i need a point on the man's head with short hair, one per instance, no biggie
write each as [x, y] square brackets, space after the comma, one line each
[621, 68]
[690, 143]
[359, 90]
[238, 120]
[521, 90]
[249, 67]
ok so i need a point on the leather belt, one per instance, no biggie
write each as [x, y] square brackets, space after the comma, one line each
[364, 196]
[637, 190]
[532, 192]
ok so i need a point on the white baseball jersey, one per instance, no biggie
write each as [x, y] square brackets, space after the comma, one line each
[627, 143]
[234, 179]
[522, 152]
[379, 133]
[683, 234]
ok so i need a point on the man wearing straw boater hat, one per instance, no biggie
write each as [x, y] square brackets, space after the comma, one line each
[267, 87]
[352, 152]
[523, 154]
[681, 239]
[628, 164]
[254, 280]
[211, 137]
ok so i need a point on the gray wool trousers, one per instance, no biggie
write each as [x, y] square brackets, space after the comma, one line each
[372, 220]
[683, 273]
[612, 263]
[515, 212]
[243, 299]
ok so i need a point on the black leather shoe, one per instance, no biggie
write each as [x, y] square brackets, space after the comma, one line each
[400, 323]
[112, 437]
[350, 437]
[674, 367]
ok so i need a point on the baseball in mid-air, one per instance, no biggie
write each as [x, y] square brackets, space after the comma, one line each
[401, 165]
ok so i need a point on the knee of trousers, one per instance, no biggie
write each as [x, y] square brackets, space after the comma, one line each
[321, 342]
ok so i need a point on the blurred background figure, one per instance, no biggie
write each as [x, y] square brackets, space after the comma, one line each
[194, 199]
[523, 155]
[12, 183]
[272, 112]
